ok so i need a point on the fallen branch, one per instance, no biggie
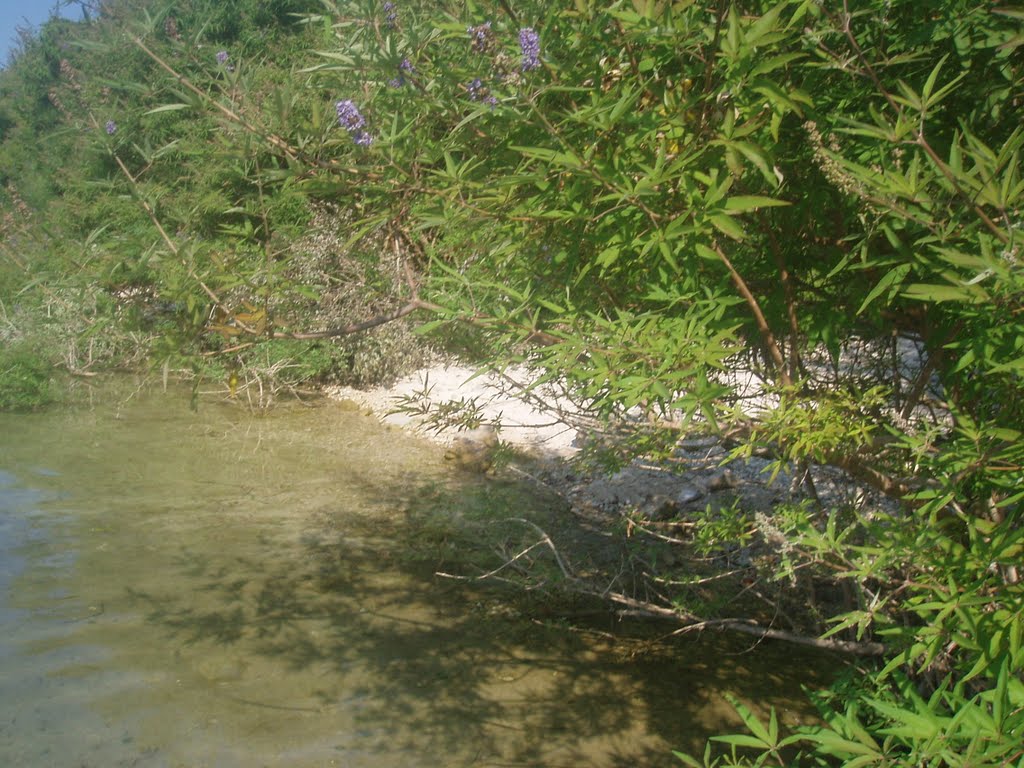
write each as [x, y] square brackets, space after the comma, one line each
[496, 571]
[753, 628]
[691, 622]
[365, 325]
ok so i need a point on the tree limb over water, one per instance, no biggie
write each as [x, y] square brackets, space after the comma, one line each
[636, 607]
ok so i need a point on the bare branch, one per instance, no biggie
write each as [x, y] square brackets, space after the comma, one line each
[762, 323]
[373, 322]
[753, 628]
[690, 621]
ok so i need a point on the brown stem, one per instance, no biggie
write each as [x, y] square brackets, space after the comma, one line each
[759, 318]
[787, 287]
[848, 32]
[277, 141]
[709, 66]
[925, 374]
[365, 325]
[267, 253]
[948, 173]
[919, 139]
[171, 245]
[895, 487]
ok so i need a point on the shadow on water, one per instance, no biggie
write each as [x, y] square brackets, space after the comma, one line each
[264, 593]
[453, 672]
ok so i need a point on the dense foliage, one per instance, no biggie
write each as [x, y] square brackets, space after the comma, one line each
[797, 225]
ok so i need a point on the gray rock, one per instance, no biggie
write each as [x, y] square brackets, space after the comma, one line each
[660, 508]
[688, 494]
[474, 450]
[723, 481]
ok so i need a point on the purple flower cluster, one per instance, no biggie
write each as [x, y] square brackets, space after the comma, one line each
[481, 36]
[390, 14]
[529, 44]
[111, 127]
[352, 121]
[405, 66]
[349, 116]
[222, 59]
[479, 92]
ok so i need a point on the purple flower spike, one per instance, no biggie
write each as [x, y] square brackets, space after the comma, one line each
[529, 44]
[481, 36]
[406, 66]
[222, 57]
[111, 127]
[352, 121]
[349, 117]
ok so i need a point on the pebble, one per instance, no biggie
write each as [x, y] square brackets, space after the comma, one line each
[723, 481]
[688, 493]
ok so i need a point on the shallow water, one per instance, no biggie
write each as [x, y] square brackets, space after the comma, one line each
[219, 588]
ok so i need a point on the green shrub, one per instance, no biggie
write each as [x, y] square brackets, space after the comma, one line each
[25, 378]
[674, 199]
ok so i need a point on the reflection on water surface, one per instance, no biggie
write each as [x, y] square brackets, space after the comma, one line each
[218, 588]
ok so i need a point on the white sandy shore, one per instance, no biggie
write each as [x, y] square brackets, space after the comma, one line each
[501, 401]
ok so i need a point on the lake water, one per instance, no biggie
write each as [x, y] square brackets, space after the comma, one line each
[224, 588]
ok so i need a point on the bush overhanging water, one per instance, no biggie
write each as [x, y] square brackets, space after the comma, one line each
[661, 206]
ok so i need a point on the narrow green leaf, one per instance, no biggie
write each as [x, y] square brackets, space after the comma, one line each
[728, 226]
[335, 56]
[743, 203]
[832, 743]
[915, 725]
[974, 294]
[860, 762]
[167, 108]
[775, 62]
[687, 760]
[892, 279]
[741, 740]
[758, 157]
[764, 25]
[608, 256]
[731, 41]
[932, 77]
[549, 156]
[704, 252]
[778, 98]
